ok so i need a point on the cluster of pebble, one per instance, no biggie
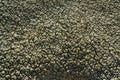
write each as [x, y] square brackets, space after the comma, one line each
[59, 39]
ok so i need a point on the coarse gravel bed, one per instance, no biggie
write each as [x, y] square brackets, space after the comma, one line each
[59, 39]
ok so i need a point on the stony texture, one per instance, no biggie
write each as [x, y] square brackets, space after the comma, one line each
[60, 39]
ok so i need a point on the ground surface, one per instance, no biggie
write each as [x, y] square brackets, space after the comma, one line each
[60, 40]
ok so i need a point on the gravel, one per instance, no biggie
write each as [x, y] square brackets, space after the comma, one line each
[59, 40]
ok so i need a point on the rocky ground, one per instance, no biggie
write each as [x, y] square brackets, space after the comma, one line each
[59, 39]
